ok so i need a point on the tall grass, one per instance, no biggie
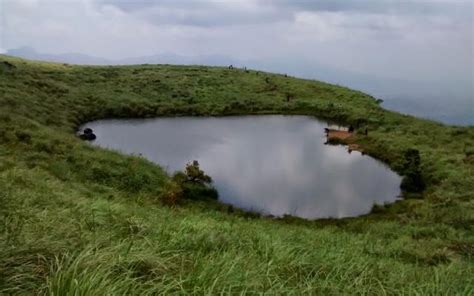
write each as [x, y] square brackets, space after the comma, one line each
[78, 220]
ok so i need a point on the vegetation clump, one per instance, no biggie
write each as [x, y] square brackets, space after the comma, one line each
[412, 180]
[195, 175]
[173, 193]
[193, 184]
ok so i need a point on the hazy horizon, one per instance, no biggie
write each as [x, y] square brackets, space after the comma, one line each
[416, 55]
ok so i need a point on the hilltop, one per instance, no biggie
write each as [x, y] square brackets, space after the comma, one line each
[78, 219]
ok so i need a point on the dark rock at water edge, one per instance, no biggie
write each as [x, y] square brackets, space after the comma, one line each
[88, 135]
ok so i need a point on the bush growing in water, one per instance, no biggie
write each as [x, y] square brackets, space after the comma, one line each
[412, 179]
[192, 184]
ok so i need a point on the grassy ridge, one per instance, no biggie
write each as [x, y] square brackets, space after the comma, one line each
[80, 220]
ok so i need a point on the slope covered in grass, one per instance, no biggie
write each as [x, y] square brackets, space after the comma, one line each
[78, 220]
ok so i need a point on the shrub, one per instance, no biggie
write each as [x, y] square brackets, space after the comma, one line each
[23, 136]
[199, 192]
[192, 184]
[412, 180]
[172, 194]
[335, 141]
[195, 175]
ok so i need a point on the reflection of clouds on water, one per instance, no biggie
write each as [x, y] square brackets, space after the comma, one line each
[168, 141]
[274, 164]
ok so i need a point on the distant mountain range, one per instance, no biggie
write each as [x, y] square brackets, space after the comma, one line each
[84, 59]
[72, 58]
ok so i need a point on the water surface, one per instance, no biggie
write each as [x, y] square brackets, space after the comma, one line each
[271, 164]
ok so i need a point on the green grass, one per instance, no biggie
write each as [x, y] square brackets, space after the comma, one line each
[78, 220]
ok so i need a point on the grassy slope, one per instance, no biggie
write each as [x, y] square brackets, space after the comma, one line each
[74, 218]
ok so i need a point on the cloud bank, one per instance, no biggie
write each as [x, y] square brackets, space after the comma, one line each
[369, 36]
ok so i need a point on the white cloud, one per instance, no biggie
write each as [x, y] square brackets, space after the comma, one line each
[431, 40]
[427, 42]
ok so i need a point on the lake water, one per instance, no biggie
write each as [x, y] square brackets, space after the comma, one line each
[271, 164]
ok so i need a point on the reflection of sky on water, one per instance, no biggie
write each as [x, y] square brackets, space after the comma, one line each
[272, 164]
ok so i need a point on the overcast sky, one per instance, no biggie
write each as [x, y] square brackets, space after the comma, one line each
[429, 40]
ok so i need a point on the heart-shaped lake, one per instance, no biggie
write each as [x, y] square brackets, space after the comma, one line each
[271, 164]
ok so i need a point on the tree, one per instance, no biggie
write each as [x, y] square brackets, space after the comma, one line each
[192, 184]
[195, 175]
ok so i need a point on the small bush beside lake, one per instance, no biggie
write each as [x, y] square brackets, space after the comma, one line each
[192, 184]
